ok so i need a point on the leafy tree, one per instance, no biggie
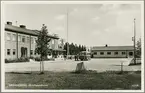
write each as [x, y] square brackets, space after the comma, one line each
[72, 49]
[84, 49]
[42, 46]
[80, 48]
[138, 49]
[76, 49]
[65, 48]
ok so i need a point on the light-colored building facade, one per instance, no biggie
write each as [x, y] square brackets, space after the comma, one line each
[21, 42]
[112, 52]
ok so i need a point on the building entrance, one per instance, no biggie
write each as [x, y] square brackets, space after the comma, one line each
[23, 52]
[130, 54]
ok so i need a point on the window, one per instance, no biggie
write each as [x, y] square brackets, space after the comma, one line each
[131, 53]
[14, 51]
[108, 53]
[8, 36]
[116, 53]
[28, 39]
[52, 41]
[31, 52]
[35, 53]
[95, 53]
[101, 53]
[8, 51]
[123, 53]
[14, 37]
[23, 39]
[19, 38]
[32, 40]
[35, 40]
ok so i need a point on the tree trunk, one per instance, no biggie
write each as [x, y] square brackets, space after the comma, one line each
[40, 66]
[43, 66]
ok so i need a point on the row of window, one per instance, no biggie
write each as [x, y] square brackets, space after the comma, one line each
[14, 52]
[9, 37]
[109, 53]
[21, 38]
[9, 51]
[24, 39]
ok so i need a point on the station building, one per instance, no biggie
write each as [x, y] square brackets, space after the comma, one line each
[112, 51]
[21, 42]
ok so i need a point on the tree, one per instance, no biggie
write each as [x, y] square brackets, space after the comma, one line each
[72, 49]
[138, 49]
[80, 48]
[84, 49]
[42, 46]
[76, 49]
[65, 48]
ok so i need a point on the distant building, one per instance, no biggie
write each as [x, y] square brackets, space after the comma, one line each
[21, 42]
[112, 51]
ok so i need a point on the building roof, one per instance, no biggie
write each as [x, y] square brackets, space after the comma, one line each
[25, 31]
[112, 48]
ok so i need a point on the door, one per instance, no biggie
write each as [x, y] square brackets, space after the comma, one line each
[23, 52]
[130, 54]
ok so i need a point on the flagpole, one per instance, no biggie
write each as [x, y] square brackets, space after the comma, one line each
[134, 42]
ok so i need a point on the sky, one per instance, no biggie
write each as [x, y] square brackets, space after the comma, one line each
[88, 24]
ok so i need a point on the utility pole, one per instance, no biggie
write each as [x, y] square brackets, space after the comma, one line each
[67, 35]
[134, 42]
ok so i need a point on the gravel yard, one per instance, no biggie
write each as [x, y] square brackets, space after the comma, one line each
[70, 65]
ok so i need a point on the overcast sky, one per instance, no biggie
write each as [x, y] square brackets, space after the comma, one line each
[88, 24]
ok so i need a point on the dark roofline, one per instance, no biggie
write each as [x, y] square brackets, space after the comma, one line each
[24, 31]
[110, 46]
[101, 48]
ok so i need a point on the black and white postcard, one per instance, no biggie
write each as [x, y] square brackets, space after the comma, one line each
[72, 46]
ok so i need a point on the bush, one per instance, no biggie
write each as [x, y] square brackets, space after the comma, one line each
[31, 57]
[6, 61]
[17, 60]
[46, 59]
[37, 59]
[49, 59]
[9, 61]
[22, 59]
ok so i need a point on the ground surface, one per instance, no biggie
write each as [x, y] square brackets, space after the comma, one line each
[70, 65]
[69, 80]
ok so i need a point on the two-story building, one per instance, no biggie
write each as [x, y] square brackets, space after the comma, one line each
[112, 51]
[21, 42]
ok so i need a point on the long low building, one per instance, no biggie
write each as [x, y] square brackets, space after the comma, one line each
[112, 51]
[21, 42]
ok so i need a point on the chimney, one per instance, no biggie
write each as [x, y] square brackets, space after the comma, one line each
[106, 45]
[22, 26]
[9, 23]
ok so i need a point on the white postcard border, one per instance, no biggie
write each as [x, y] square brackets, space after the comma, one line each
[68, 2]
